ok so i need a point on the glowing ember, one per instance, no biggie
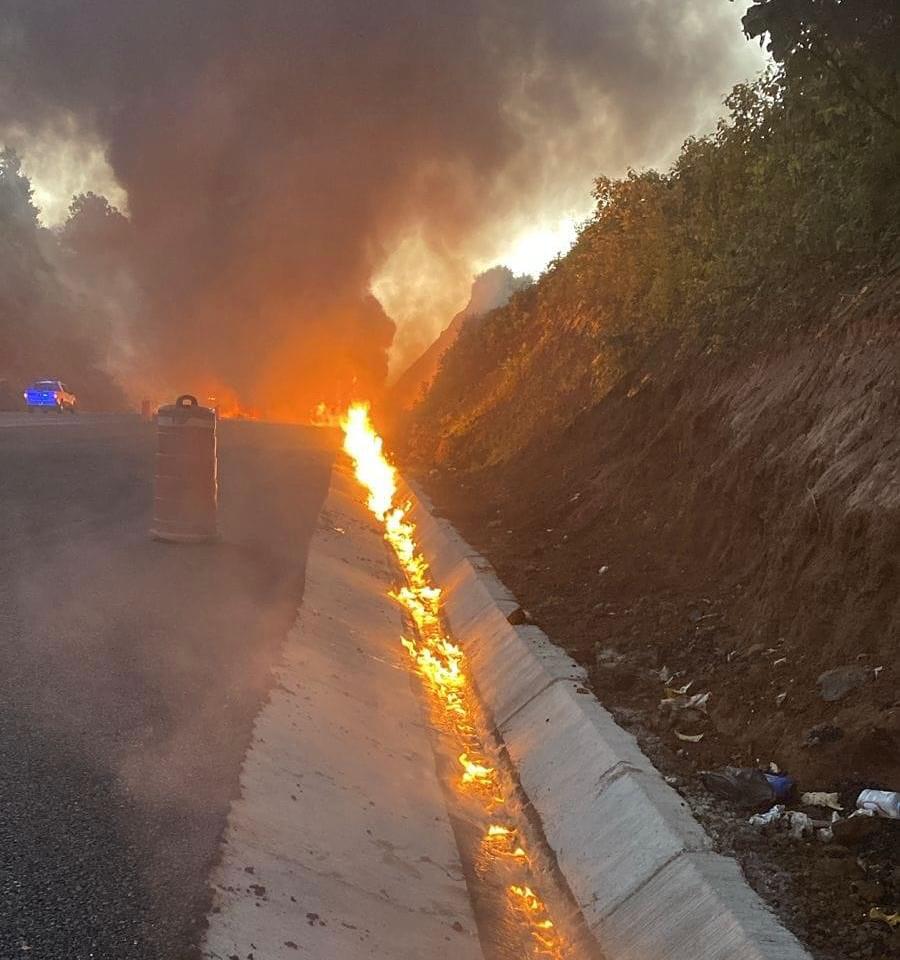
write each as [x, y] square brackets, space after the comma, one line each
[441, 664]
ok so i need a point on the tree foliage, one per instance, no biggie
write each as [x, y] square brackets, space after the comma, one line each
[797, 190]
[856, 42]
[56, 291]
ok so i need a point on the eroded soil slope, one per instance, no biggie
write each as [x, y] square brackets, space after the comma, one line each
[736, 524]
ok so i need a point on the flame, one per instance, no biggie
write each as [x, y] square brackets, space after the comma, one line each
[226, 402]
[441, 663]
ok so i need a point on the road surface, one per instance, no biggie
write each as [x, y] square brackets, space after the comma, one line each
[130, 674]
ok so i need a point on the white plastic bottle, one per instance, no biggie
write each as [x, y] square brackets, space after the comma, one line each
[884, 803]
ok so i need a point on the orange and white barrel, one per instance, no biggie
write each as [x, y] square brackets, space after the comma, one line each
[185, 502]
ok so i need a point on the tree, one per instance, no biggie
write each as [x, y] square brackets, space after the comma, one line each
[16, 204]
[855, 42]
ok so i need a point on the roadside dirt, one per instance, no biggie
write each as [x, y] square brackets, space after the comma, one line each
[736, 525]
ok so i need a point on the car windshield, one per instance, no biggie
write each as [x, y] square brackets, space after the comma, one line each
[45, 385]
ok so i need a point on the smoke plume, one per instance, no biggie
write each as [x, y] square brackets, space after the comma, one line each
[275, 154]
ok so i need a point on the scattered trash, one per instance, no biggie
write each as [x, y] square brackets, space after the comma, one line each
[689, 737]
[608, 657]
[770, 816]
[801, 824]
[680, 691]
[680, 702]
[836, 684]
[820, 799]
[745, 786]
[876, 672]
[666, 675]
[780, 662]
[779, 700]
[603, 569]
[782, 784]
[891, 919]
[883, 803]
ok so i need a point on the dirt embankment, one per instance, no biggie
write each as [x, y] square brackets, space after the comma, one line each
[733, 523]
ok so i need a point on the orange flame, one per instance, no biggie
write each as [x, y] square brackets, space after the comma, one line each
[440, 662]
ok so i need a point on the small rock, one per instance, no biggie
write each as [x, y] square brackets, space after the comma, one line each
[853, 830]
[518, 616]
[836, 684]
[822, 733]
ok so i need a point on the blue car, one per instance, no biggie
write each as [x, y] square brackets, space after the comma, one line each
[50, 395]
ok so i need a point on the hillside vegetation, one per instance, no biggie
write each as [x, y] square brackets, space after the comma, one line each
[798, 189]
[681, 451]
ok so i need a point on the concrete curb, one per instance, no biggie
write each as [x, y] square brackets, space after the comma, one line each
[640, 866]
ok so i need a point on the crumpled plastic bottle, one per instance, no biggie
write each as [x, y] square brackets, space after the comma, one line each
[884, 803]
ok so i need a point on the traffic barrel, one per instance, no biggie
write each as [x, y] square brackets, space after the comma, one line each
[184, 508]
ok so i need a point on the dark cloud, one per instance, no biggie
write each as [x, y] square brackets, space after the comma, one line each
[274, 152]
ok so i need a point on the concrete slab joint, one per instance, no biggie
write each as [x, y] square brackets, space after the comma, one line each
[640, 866]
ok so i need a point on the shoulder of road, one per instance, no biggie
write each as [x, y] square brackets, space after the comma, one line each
[640, 867]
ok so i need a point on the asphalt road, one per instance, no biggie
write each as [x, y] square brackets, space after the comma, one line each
[130, 673]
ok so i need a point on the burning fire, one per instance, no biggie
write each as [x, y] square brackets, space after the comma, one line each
[442, 665]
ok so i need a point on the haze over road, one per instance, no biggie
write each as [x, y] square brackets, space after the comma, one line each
[130, 673]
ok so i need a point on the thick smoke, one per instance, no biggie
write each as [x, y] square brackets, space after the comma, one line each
[275, 153]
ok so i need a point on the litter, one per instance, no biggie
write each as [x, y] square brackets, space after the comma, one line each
[883, 803]
[770, 816]
[745, 786]
[782, 784]
[801, 824]
[680, 702]
[819, 799]
[891, 919]
[689, 737]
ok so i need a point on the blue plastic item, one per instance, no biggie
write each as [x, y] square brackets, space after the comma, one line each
[782, 784]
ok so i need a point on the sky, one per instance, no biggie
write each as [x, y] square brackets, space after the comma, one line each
[282, 162]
